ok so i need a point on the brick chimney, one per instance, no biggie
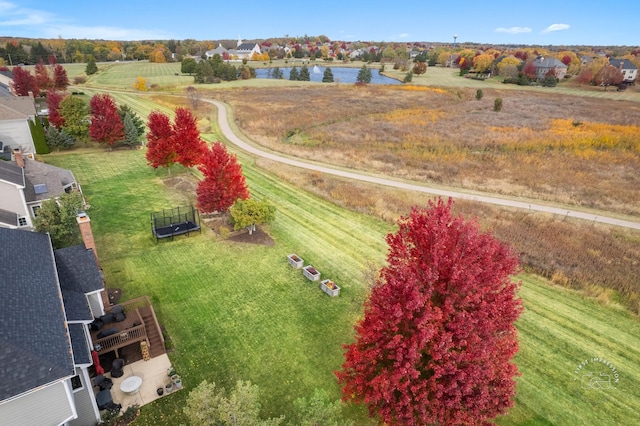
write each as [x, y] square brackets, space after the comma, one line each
[17, 155]
[87, 236]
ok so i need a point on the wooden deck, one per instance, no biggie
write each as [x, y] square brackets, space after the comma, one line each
[139, 325]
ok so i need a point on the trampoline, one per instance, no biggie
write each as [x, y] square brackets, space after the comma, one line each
[176, 221]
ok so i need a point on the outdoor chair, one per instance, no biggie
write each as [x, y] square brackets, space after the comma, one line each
[102, 382]
[116, 367]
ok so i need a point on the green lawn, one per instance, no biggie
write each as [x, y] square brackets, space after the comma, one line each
[239, 311]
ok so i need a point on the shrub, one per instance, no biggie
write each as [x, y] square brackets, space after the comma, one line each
[479, 94]
[497, 105]
[408, 77]
[79, 79]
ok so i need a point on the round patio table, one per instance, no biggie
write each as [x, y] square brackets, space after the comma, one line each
[131, 384]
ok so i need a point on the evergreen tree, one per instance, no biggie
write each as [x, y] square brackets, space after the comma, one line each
[364, 75]
[131, 135]
[277, 73]
[59, 138]
[327, 77]
[91, 68]
[304, 74]
[124, 110]
[294, 75]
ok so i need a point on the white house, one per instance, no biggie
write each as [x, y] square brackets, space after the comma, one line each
[245, 50]
[15, 114]
[45, 342]
[626, 67]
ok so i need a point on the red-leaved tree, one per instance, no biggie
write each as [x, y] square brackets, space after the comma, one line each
[24, 82]
[60, 79]
[187, 143]
[223, 181]
[160, 150]
[106, 125]
[53, 103]
[437, 339]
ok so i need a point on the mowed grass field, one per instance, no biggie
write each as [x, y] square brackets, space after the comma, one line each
[238, 311]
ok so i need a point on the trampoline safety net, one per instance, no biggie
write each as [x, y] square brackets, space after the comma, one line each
[175, 221]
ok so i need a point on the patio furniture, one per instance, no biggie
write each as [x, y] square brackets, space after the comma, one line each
[116, 367]
[103, 399]
[102, 382]
[106, 332]
[131, 385]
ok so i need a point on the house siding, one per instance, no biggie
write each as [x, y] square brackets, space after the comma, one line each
[84, 399]
[16, 134]
[12, 199]
[49, 406]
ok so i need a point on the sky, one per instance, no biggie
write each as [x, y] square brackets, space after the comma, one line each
[542, 23]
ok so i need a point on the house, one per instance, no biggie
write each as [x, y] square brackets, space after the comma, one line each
[6, 81]
[15, 114]
[245, 50]
[544, 65]
[24, 184]
[49, 299]
[626, 67]
[220, 50]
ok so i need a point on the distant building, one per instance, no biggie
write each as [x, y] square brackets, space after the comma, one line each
[626, 67]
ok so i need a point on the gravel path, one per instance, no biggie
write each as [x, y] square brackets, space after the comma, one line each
[485, 198]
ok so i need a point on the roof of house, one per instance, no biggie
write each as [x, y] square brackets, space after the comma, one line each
[549, 63]
[17, 107]
[246, 46]
[35, 348]
[79, 275]
[12, 173]
[5, 91]
[81, 351]
[8, 218]
[219, 50]
[626, 64]
[44, 181]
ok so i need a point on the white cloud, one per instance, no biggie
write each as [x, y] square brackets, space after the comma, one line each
[555, 27]
[404, 35]
[513, 30]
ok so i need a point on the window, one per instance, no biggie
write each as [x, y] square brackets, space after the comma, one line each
[35, 210]
[22, 221]
[76, 382]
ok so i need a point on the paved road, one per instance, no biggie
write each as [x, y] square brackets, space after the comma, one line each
[232, 137]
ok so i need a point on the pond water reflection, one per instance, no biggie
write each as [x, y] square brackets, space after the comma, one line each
[340, 75]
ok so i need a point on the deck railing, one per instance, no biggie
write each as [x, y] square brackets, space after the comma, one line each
[130, 331]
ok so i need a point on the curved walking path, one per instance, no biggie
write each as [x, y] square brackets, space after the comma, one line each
[223, 121]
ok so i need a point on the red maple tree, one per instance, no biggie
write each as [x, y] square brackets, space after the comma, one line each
[106, 125]
[24, 82]
[187, 143]
[60, 79]
[438, 335]
[53, 103]
[223, 181]
[160, 150]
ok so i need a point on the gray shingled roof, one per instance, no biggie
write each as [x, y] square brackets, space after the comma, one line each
[78, 274]
[8, 218]
[10, 172]
[35, 348]
[54, 177]
[17, 107]
[81, 352]
[626, 64]
[246, 46]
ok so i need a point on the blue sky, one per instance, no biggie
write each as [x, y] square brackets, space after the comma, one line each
[562, 22]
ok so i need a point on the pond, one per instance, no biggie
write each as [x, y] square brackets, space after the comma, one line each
[340, 75]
